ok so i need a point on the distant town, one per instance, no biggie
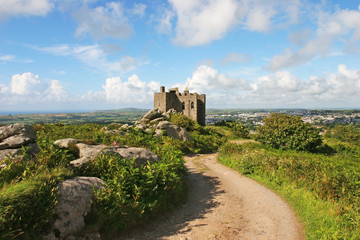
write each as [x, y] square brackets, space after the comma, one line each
[254, 117]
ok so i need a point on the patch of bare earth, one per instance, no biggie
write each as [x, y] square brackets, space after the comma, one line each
[222, 204]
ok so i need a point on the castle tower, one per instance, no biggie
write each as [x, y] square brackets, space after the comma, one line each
[191, 105]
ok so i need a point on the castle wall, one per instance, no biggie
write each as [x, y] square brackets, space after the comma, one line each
[191, 105]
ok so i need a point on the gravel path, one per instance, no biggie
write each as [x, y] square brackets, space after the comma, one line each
[222, 204]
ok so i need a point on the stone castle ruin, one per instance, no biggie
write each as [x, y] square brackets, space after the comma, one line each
[191, 105]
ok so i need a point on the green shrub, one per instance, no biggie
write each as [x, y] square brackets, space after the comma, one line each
[348, 133]
[183, 121]
[206, 142]
[288, 132]
[134, 193]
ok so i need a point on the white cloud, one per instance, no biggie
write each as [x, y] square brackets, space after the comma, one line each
[206, 79]
[7, 58]
[10, 8]
[164, 26]
[259, 19]
[133, 91]
[278, 83]
[202, 21]
[102, 22]
[234, 57]
[12, 58]
[4, 89]
[282, 89]
[343, 26]
[25, 84]
[300, 38]
[28, 89]
[56, 92]
[94, 56]
[139, 9]
[277, 90]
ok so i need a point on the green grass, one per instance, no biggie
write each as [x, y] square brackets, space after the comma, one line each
[323, 190]
[133, 195]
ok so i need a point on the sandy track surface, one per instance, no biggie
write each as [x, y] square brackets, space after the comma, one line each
[222, 204]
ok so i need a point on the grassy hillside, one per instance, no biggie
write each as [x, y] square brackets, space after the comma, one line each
[133, 193]
[323, 188]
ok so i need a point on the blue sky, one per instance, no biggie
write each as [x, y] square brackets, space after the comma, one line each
[75, 55]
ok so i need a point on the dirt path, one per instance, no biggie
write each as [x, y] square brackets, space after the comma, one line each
[222, 204]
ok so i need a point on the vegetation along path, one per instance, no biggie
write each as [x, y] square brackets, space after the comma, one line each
[222, 204]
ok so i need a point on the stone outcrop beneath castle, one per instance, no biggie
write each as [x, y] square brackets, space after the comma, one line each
[191, 105]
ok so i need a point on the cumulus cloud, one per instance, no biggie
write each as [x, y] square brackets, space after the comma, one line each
[133, 91]
[56, 92]
[93, 56]
[283, 89]
[27, 88]
[24, 8]
[342, 26]
[102, 22]
[201, 22]
[208, 79]
[25, 84]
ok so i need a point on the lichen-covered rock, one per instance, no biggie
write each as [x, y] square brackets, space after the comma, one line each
[164, 125]
[140, 126]
[125, 127]
[16, 135]
[74, 202]
[141, 155]
[13, 138]
[173, 131]
[156, 120]
[87, 153]
[152, 114]
[66, 142]
[170, 111]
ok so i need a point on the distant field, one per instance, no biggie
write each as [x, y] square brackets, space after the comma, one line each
[130, 115]
[101, 117]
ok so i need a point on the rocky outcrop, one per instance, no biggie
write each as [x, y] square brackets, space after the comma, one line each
[112, 131]
[125, 127]
[141, 155]
[66, 142]
[16, 136]
[172, 130]
[153, 114]
[13, 138]
[74, 203]
[88, 153]
[155, 121]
